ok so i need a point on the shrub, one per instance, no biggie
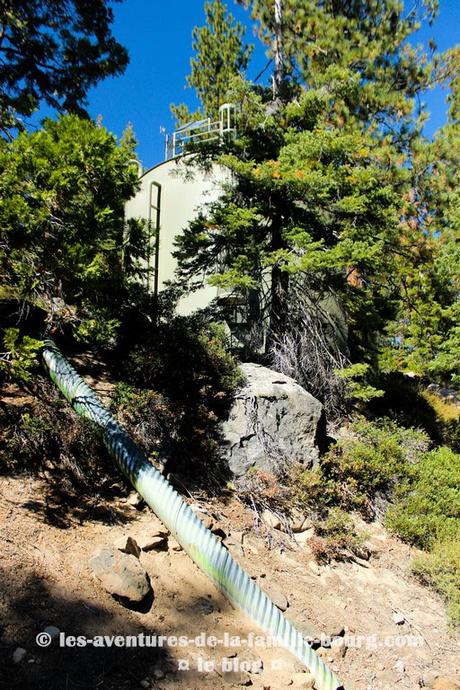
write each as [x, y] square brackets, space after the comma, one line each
[428, 508]
[336, 537]
[447, 418]
[20, 356]
[441, 570]
[186, 362]
[374, 458]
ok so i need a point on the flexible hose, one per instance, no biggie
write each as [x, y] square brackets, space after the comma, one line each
[198, 541]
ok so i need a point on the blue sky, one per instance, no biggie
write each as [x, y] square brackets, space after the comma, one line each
[158, 38]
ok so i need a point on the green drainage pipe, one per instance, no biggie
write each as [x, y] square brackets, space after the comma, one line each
[199, 542]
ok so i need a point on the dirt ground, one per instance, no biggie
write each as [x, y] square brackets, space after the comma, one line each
[45, 581]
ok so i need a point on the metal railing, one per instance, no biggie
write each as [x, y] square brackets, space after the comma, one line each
[201, 131]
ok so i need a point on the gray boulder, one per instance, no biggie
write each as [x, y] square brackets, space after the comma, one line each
[272, 421]
[121, 574]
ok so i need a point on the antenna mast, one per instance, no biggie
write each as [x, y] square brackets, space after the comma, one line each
[278, 51]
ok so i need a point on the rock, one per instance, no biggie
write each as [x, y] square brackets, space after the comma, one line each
[336, 631]
[173, 544]
[278, 598]
[444, 683]
[128, 545]
[144, 683]
[339, 647]
[134, 500]
[450, 395]
[272, 420]
[207, 520]
[236, 678]
[302, 537]
[147, 543]
[398, 618]
[155, 528]
[158, 674]
[120, 574]
[299, 523]
[271, 519]
[257, 666]
[302, 680]
[18, 655]
[52, 631]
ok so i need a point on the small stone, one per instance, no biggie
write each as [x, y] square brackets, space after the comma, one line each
[400, 666]
[52, 631]
[128, 545]
[278, 598]
[444, 683]
[302, 680]
[207, 521]
[303, 536]
[120, 574]
[158, 674]
[134, 500]
[149, 543]
[339, 646]
[144, 683]
[398, 618]
[173, 544]
[18, 655]
[304, 627]
[271, 519]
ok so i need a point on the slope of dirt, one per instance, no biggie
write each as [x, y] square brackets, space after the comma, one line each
[45, 580]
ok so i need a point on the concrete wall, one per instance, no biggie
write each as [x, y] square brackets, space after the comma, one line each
[182, 192]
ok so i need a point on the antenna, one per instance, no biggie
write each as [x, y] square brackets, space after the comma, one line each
[278, 51]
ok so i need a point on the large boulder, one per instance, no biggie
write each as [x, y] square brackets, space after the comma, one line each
[272, 421]
[120, 574]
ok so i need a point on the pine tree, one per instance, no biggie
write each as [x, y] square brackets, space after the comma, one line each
[62, 234]
[220, 54]
[426, 335]
[322, 173]
[54, 51]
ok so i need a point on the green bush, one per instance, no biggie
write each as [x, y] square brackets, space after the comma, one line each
[441, 570]
[375, 457]
[428, 509]
[187, 362]
[336, 537]
[20, 356]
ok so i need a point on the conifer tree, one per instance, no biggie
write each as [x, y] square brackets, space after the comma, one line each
[220, 54]
[322, 176]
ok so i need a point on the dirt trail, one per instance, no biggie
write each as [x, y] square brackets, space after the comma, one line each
[45, 580]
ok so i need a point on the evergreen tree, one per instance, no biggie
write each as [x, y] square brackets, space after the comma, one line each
[425, 336]
[322, 175]
[220, 54]
[62, 236]
[53, 51]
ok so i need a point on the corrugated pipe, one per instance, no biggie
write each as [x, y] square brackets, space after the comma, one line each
[198, 541]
